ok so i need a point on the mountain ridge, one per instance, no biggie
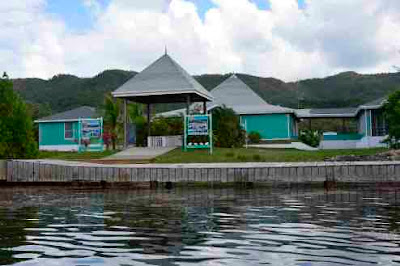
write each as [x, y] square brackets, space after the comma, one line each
[346, 89]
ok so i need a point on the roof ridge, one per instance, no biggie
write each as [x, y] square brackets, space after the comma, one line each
[187, 76]
[162, 77]
[235, 77]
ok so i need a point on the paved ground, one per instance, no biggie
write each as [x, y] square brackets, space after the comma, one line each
[293, 145]
[139, 153]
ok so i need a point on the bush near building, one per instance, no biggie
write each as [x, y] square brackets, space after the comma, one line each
[254, 137]
[226, 128]
[167, 126]
[310, 137]
[392, 115]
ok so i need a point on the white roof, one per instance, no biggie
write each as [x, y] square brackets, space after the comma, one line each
[235, 94]
[163, 77]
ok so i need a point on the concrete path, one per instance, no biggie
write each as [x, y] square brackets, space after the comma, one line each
[293, 145]
[139, 153]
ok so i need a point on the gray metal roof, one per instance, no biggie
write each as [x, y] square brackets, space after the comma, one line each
[327, 112]
[235, 94]
[74, 114]
[163, 81]
[375, 104]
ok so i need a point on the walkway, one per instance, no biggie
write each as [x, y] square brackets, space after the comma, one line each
[293, 145]
[139, 153]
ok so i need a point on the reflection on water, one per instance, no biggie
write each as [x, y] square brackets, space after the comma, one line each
[199, 227]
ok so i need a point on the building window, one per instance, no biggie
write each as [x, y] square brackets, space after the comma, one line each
[68, 130]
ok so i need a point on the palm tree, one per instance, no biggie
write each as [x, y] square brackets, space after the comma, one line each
[112, 115]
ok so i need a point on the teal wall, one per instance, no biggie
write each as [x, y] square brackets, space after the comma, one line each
[344, 136]
[271, 126]
[52, 133]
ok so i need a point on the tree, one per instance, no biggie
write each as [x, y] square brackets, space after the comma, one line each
[226, 128]
[112, 114]
[392, 116]
[16, 127]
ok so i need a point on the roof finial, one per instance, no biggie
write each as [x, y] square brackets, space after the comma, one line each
[166, 52]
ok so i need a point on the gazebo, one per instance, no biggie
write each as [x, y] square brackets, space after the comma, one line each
[164, 81]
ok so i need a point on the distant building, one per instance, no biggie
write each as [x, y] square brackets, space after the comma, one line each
[74, 130]
[372, 127]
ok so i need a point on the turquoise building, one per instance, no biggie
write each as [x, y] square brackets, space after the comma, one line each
[273, 122]
[79, 129]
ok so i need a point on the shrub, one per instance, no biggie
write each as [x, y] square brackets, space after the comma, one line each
[226, 128]
[310, 137]
[257, 158]
[254, 137]
[167, 126]
[242, 158]
[392, 115]
[16, 129]
[230, 154]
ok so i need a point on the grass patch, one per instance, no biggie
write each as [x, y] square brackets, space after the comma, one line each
[256, 155]
[257, 158]
[79, 156]
[230, 154]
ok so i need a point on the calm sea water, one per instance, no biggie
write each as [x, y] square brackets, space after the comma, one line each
[199, 227]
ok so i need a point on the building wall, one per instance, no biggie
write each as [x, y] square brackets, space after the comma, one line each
[270, 126]
[365, 123]
[52, 133]
[361, 125]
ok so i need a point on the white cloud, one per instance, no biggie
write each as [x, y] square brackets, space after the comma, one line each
[234, 36]
[30, 40]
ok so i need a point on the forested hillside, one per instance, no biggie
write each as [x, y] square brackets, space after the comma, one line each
[63, 92]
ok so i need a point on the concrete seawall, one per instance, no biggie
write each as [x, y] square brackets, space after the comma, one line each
[66, 171]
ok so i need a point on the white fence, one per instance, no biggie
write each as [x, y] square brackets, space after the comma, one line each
[164, 141]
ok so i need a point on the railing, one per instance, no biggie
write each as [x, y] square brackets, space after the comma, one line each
[164, 141]
[380, 131]
[342, 136]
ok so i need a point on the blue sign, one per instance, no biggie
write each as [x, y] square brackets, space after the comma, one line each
[198, 125]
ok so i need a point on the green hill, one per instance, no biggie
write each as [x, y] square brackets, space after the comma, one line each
[63, 92]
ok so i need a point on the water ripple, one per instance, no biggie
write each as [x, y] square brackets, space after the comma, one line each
[200, 227]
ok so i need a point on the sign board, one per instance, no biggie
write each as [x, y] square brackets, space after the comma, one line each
[91, 128]
[198, 125]
[198, 132]
[91, 134]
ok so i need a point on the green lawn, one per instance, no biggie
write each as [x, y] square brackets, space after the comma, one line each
[74, 155]
[257, 155]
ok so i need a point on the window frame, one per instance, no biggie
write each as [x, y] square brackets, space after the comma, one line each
[71, 130]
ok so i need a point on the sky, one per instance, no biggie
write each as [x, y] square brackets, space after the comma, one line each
[284, 39]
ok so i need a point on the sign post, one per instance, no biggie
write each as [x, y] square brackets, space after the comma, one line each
[198, 132]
